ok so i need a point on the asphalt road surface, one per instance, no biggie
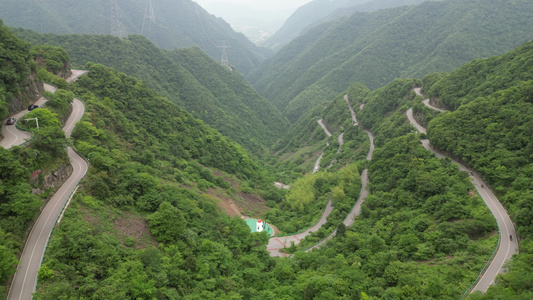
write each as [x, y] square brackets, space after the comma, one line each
[321, 122]
[352, 112]
[426, 101]
[15, 137]
[25, 279]
[277, 243]
[356, 210]
[507, 247]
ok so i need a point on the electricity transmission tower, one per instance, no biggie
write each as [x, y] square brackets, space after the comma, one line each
[148, 14]
[117, 27]
[224, 61]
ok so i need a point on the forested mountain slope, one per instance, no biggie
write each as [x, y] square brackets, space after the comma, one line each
[149, 183]
[482, 77]
[400, 246]
[148, 206]
[421, 224]
[187, 77]
[491, 129]
[319, 11]
[302, 17]
[144, 223]
[26, 180]
[375, 48]
[170, 24]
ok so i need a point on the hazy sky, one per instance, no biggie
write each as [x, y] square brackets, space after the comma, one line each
[272, 5]
[257, 19]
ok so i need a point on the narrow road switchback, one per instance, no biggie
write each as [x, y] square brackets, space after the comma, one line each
[506, 247]
[12, 135]
[25, 279]
[356, 210]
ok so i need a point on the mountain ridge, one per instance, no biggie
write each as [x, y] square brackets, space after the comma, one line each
[188, 77]
[171, 25]
[408, 41]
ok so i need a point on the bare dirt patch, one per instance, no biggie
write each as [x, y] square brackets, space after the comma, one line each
[240, 205]
[285, 156]
[226, 203]
[253, 204]
[232, 182]
[90, 218]
[132, 227]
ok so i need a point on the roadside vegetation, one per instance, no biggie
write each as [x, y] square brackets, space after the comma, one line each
[24, 170]
[145, 223]
[491, 129]
[187, 77]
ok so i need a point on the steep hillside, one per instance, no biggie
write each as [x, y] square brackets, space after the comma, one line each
[154, 175]
[30, 175]
[169, 24]
[303, 17]
[368, 6]
[421, 223]
[491, 129]
[319, 11]
[142, 226]
[375, 48]
[144, 223]
[15, 68]
[187, 77]
[483, 77]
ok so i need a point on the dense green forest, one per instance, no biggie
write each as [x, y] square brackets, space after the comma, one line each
[376, 48]
[423, 232]
[491, 129]
[145, 223]
[482, 78]
[316, 12]
[187, 77]
[183, 247]
[151, 169]
[176, 24]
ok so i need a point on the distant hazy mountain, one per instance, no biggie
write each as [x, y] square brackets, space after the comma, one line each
[375, 48]
[318, 11]
[255, 22]
[302, 17]
[169, 24]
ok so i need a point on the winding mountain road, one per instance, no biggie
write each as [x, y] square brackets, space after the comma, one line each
[321, 122]
[316, 167]
[25, 279]
[352, 112]
[506, 246]
[317, 163]
[356, 210]
[340, 139]
[277, 243]
[426, 101]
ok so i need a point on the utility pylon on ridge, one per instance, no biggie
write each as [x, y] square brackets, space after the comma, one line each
[224, 61]
[117, 27]
[148, 14]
